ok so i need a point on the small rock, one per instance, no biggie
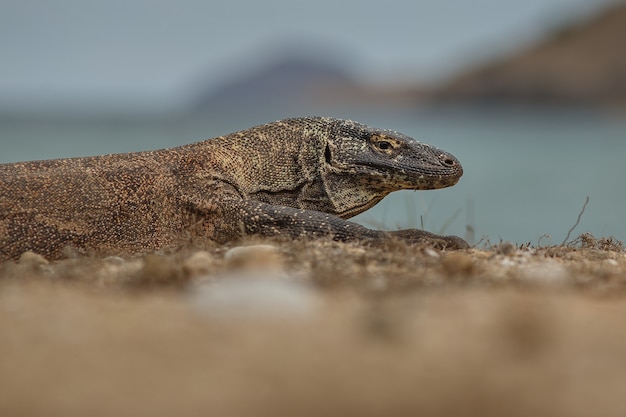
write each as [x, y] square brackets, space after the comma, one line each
[550, 274]
[116, 260]
[430, 252]
[264, 257]
[237, 296]
[200, 263]
[32, 258]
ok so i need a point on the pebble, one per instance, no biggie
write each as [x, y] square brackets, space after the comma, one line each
[198, 264]
[547, 273]
[254, 257]
[243, 296]
[115, 260]
[32, 258]
[431, 253]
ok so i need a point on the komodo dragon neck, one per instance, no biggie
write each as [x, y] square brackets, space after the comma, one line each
[295, 177]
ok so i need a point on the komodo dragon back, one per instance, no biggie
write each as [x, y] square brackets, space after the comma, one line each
[299, 178]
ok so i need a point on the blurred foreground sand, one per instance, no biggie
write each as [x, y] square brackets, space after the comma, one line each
[317, 328]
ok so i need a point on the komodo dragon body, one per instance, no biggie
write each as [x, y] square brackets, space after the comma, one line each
[296, 177]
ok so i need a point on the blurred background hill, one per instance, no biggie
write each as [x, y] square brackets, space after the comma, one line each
[528, 95]
[294, 76]
[581, 62]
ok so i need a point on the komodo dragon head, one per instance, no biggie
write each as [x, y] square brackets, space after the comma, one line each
[363, 164]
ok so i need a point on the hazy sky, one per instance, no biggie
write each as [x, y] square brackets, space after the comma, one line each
[71, 50]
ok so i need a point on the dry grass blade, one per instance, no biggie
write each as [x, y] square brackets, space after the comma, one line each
[577, 221]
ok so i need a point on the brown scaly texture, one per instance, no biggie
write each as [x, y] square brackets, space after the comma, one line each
[296, 177]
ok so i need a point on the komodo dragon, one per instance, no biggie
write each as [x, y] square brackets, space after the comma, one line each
[297, 177]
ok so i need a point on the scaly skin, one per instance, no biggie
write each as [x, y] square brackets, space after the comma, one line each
[297, 177]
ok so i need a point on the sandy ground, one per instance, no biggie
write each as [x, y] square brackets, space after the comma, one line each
[318, 328]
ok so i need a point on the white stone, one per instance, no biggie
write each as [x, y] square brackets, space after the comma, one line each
[549, 273]
[253, 257]
[254, 296]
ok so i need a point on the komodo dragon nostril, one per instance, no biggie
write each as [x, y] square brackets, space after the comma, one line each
[448, 161]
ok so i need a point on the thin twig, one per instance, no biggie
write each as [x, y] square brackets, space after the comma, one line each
[577, 221]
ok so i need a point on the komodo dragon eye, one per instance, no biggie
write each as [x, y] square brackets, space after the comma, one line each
[384, 144]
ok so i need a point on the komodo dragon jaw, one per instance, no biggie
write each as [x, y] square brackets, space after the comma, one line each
[387, 161]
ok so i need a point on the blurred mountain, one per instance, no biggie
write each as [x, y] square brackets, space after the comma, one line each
[292, 79]
[582, 63]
